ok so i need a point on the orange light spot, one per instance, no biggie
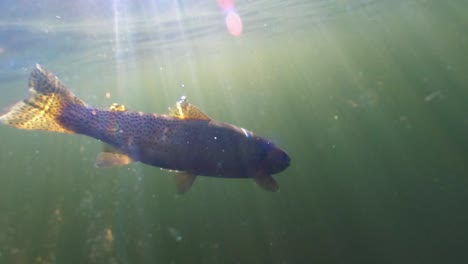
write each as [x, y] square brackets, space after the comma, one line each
[108, 95]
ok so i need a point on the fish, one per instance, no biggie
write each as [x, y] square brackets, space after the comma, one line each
[184, 141]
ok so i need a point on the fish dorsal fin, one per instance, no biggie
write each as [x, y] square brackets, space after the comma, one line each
[115, 107]
[184, 181]
[110, 157]
[267, 182]
[184, 110]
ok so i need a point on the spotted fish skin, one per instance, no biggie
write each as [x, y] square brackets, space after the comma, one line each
[197, 146]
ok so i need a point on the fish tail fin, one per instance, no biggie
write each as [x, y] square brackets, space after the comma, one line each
[42, 109]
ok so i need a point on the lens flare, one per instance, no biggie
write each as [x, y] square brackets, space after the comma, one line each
[233, 23]
[232, 19]
[226, 5]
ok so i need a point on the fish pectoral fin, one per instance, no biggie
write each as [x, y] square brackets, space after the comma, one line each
[267, 182]
[184, 110]
[184, 181]
[110, 157]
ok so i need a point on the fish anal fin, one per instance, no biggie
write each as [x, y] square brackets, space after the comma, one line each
[184, 110]
[267, 182]
[110, 157]
[184, 181]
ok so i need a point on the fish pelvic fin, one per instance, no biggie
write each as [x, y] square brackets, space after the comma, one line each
[110, 157]
[46, 101]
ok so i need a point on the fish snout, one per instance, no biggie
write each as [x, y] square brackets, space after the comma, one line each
[278, 160]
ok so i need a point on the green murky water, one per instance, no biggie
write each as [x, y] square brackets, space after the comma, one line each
[368, 97]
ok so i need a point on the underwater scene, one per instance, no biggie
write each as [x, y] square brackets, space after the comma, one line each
[223, 131]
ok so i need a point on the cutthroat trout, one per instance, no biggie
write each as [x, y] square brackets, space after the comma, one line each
[185, 141]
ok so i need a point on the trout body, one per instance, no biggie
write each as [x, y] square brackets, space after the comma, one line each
[186, 141]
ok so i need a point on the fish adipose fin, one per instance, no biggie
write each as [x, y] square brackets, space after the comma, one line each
[47, 99]
[110, 157]
[184, 181]
[115, 107]
[184, 110]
